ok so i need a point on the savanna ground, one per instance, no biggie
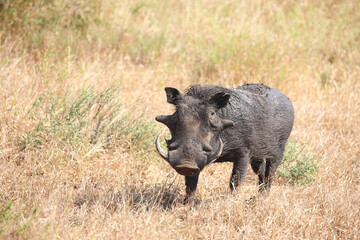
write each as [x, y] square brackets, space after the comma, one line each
[80, 85]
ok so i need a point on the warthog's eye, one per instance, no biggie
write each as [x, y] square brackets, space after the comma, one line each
[212, 113]
[172, 146]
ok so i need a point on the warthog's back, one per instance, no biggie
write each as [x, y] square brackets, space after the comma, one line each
[263, 119]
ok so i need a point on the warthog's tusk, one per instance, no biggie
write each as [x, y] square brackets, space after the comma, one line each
[160, 150]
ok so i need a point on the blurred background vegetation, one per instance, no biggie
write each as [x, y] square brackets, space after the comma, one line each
[228, 41]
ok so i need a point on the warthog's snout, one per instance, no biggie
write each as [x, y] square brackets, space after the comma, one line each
[187, 169]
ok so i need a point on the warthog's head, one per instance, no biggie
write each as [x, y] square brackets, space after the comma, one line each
[195, 129]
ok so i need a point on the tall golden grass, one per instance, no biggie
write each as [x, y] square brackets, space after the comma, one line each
[118, 188]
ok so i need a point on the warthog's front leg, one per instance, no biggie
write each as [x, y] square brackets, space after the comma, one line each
[239, 170]
[191, 183]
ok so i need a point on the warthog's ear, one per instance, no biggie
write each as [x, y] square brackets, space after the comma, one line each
[173, 95]
[220, 100]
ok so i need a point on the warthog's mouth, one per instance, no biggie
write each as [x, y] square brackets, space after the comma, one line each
[187, 170]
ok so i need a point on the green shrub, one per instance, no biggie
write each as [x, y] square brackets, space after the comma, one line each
[33, 16]
[297, 167]
[86, 120]
[39, 23]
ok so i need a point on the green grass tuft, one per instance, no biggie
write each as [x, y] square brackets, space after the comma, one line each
[11, 221]
[89, 119]
[297, 167]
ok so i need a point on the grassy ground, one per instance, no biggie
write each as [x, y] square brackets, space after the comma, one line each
[80, 85]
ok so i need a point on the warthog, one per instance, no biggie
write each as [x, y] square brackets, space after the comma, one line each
[247, 124]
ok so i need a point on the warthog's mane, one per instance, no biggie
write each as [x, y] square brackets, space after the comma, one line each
[205, 92]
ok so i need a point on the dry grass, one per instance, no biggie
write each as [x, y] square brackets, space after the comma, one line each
[119, 188]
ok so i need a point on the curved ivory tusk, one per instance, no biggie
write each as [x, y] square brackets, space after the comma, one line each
[160, 150]
[220, 151]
